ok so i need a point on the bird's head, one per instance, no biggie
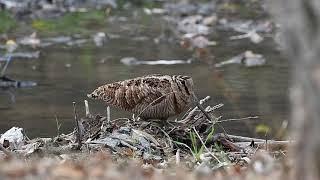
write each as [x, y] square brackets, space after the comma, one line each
[185, 84]
[189, 82]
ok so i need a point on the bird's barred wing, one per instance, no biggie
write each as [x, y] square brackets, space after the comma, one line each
[134, 93]
[142, 96]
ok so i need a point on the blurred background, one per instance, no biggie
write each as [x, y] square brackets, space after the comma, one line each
[231, 49]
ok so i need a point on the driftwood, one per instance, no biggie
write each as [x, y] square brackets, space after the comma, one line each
[244, 139]
[270, 145]
[237, 143]
[22, 55]
[225, 142]
[6, 82]
[64, 149]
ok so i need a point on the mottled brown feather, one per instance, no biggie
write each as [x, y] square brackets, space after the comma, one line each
[151, 97]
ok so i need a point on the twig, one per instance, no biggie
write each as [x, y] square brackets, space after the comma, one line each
[272, 145]
[189, 114]
[207, 98]
[217, 106]
[58, 125]
[65, 149]
[86, 105]
[147, 136]
[166, 134]
[183, 144]
[178, 157]
[185, 114]
[25, 135]
[244, 139]
[203, 144]
[266, 138]
[118, 119]
[79, 138]
[204, 112]
[108, 114]
[239, 119]
[201, 108]
[193, 110]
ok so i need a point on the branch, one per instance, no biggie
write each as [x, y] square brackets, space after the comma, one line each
[79, 134]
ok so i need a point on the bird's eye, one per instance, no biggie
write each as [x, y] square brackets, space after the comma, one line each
[93, 96]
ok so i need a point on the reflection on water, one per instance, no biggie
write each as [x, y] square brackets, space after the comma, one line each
[67, 74]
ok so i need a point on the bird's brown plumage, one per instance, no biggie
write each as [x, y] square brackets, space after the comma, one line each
[150, 97]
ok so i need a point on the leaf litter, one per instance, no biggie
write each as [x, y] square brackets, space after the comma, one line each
[147, 148]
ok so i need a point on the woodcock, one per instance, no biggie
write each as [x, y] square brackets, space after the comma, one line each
[149, 97]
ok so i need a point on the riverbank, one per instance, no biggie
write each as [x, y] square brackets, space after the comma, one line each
[102, 148]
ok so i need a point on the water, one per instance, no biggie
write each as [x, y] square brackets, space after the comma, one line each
[259, 91]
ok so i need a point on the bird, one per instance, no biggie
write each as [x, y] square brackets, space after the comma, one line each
[153, 96]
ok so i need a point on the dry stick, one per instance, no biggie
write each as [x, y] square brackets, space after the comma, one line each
[192, 112]
[166, 134]
[79, 139]
[239, 119]
[204, 145]
[206, 114]
[108, 114]
[217, 106]
[58, 125]
[25, 134]
[202, 109]
[244, 139]
[227, 120]
[270, 143]
[178, 157]
[86, 105]
[186, 146]
[266, 138]
[114, 120]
